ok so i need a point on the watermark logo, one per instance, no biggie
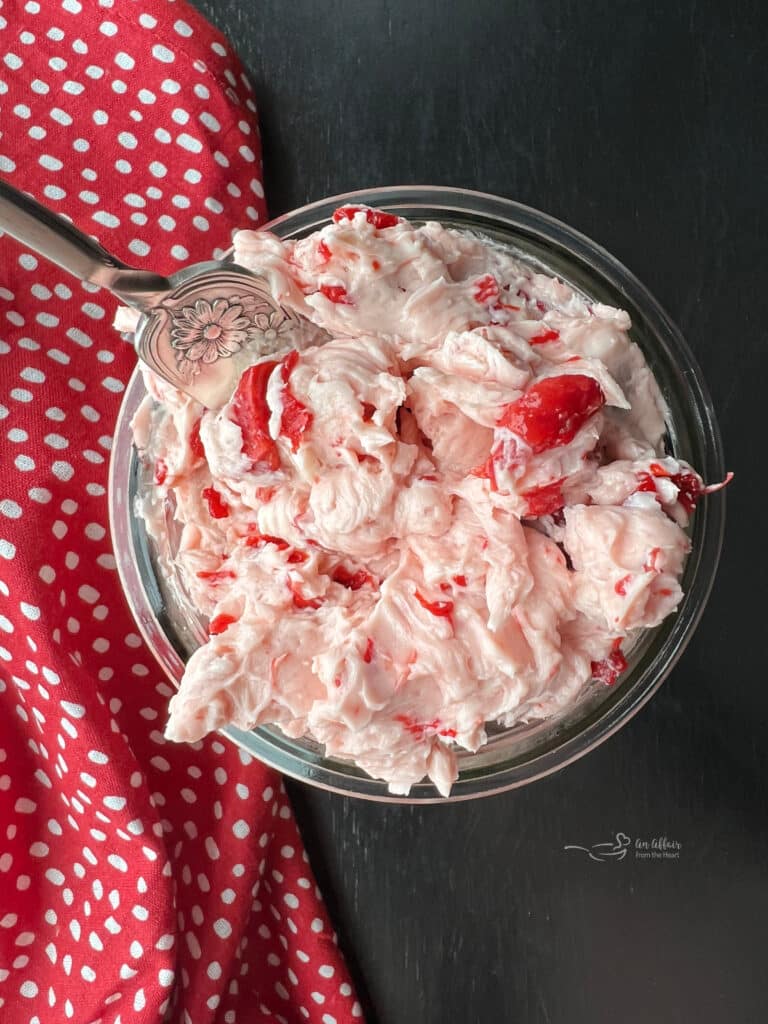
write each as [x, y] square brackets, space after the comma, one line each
[622, 846]
[602, 852]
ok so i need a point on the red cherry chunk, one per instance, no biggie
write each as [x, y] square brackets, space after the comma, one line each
[487, 471]
[646, 483]
[553, 410]
[336, 293]
[689, 490]
[546, 500]
[217, 507]
[543, 337]
[378, 218]
[621, 585]
[299, 601]
[251, 413]
[195, 442]
[352, 580]
[255, 539]
[219, 623]
[486, 289]
[609, 669]
[442, 609]
[296, 418]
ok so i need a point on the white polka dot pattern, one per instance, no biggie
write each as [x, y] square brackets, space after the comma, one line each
[128, 893]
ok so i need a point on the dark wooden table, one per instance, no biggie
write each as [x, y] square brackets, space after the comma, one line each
[638, 123]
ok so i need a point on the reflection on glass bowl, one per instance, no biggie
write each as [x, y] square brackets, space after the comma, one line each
[173, 628]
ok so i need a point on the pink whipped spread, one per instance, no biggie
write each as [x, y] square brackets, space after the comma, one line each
[454, 512]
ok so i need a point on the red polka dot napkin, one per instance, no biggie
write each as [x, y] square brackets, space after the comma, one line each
[139, 880]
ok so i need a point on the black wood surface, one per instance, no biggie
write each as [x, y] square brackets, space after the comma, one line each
[642, 124]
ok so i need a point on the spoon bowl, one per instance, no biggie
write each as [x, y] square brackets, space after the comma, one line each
[198, 328]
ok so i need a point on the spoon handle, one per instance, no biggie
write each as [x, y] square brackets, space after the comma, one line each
[58, 240]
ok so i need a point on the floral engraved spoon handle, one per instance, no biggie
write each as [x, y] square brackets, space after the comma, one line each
[210, 327]
[198, 328]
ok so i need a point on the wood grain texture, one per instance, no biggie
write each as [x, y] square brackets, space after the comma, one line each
[640, 124]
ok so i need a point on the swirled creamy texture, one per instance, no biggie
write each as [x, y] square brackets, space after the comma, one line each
[454, 512]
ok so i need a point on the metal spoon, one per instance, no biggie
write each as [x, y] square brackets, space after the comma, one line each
[199, 327]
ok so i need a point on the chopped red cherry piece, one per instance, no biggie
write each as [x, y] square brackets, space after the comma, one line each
[216, 576]
[375, 265]
[368, 653]
[352, 580]
[296, 419]
[255, 538]
[445, 587]
[323, 251]
[609, 669]
[251, 413]
[420, 729]
[297, 557]
[621, 585]
[487, 471]
[410, 725]
[553, 410]
[335, 293]
[650, 565]
[299, 601]
[689, 490]
[217, 507]
[646, 483]
[460, 581]
[219, 623]
[196, 443]
[416, 729]
[377, 218]
[380, 220]
[486, 289]
[543, 337]
[546, 500]
[368, 410]
[689, 486]
[161, 471]
[442, 609]
[345, 213]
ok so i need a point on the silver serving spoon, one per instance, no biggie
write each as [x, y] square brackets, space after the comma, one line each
[199, 328]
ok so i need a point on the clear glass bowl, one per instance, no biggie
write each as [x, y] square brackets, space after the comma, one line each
[172, 628]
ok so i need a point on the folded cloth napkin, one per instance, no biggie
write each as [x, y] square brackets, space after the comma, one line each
[139, 880]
